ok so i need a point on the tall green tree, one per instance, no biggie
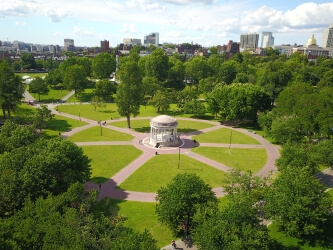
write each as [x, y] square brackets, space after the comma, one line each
[39, 86]
[299, 204]
[103, 65]
[160, 101]
[75, 78]
[178, 201]
[157, 65]
[196, 69]
[27, 61]
[11, 89]
[105, 89]
[129, 90]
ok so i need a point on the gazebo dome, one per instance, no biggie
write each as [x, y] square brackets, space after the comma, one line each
[164, 121]
[163, 131]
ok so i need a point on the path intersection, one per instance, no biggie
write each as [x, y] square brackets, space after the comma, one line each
[140, 141]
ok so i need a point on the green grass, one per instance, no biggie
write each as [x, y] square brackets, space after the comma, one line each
[106, 161]
[59, 124]
[86, 96]
[138, 216]
[330, 191]
[94, 134]
[223, 136]
[54, 95]
[244, 159]
[143, 126]
[161, 169]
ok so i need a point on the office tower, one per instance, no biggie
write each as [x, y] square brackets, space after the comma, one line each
[249, 41]
[68, 44]
[328, 37]
[267, 40]
[105, 47]
[152, 38]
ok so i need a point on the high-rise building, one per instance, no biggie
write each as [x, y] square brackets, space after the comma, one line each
[267, 40]
[105, 47]
[249, 41]
[132, 41]
[328, 37]
[152, 38]
[68, 44]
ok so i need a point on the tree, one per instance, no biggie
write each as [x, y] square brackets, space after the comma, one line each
[41, 117]
[299, 204]
[27, 61]
[39, 169]
[189, 93]
[54, 78]
[196, 69]
[11, 89]
[180, 199]
[129, 94]
[195, 107]
[176, 73]
[103, 65]
[160, 101]
[157, 65]
[14, 136]
[39, 86]
[75, 78]
[228, 71]
[104, 89]
[236, 225]
[97, 101]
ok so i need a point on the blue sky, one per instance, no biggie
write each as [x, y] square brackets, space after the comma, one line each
[207, 22]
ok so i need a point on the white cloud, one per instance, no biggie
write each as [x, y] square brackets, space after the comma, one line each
[16, 8]
[78, 31]
[56, 16]
[128, 28]
[20, 23]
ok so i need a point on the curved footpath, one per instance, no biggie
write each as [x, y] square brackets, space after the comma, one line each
[140, 141]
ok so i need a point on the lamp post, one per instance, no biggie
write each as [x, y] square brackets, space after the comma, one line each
[178, 156]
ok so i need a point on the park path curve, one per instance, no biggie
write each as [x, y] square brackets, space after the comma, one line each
[111, 187]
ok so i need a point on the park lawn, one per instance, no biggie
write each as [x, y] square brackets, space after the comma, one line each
[106, 161]
[330, 191]
[87, 111]
[138, 216]
[94, 134]
[184, 126]
[245, 159]
[161, 169]
[54, 95]
[59, 124]
[289, 242]
[223, 136]
[86, 96]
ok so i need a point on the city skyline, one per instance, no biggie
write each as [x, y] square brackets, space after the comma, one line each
[206, 22]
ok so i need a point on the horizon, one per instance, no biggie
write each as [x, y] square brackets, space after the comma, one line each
[205, 22]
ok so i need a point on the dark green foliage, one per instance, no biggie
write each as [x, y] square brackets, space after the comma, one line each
[38, 86]
[41, 168]
[105, 89]
[75, 78]
[299, 205]
[27, 61]
[195, 107]
[180, 200]
[11, 89]
[103, 65]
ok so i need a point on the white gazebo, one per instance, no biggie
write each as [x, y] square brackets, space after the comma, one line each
[163, 131]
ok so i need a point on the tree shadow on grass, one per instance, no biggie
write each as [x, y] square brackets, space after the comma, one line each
[142, 129]
[108, 207]
[99, 179]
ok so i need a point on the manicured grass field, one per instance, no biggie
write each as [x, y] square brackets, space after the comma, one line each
[54, 95]
[59, 124]
[244, 159]
[138, 216]
[94, 134]
[161, 169]
[106, 161]
[223, 136]
[32, 75]
[143, 126]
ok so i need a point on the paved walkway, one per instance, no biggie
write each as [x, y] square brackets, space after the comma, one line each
[140, 141]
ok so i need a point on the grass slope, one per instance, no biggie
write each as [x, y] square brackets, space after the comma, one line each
[106, 161]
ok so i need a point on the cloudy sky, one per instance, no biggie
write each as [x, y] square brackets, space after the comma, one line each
[207, 22]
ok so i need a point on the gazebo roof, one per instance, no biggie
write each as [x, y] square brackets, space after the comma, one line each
[164, 121]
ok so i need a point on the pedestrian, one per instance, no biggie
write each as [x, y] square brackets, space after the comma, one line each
[173, 244]
[100, 187]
